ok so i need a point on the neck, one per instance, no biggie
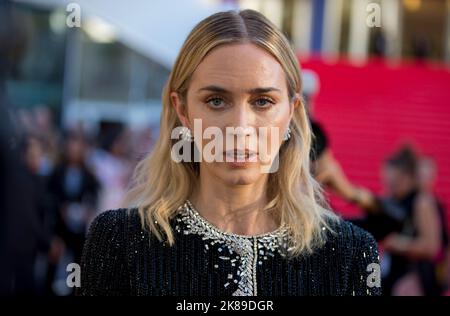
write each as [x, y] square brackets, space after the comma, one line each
[236, 209]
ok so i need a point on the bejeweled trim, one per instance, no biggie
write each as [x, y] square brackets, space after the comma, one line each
[251, 250]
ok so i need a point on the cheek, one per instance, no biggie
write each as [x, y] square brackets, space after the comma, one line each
[276, 125]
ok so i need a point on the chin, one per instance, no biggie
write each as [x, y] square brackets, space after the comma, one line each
[241, 176]
[239, 181]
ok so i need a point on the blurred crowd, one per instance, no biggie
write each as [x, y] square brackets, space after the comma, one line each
[406, 217]
[56, 183]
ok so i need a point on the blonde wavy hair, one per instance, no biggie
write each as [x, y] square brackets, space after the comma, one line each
[160, 185]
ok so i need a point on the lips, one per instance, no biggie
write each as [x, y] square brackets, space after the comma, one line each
[240, 155]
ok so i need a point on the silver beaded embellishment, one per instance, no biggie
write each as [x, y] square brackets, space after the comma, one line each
[250, 250]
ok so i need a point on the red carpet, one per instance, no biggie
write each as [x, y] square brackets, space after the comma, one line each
[368, 111]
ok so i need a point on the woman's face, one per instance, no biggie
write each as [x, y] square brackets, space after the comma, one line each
[397, 182]
[238, 85]
[34, 154]
[75, 150]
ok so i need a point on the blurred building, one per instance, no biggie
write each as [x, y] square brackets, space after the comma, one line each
[110, 69]
[332, 28]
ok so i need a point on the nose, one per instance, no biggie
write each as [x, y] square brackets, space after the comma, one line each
[242, 131]
[242, 120]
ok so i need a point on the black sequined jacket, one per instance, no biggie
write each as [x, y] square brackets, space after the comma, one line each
[121, 258]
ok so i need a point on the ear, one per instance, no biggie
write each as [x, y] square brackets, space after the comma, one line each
[295, 103]
[180, 108]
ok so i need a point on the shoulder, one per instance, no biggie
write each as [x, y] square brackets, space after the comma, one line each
[118, 218]
[104, 261]
[114, 226]
[425, 200]
[121, 216]
[357, 253]
[349, 237]
[351, 243]
[347, 232]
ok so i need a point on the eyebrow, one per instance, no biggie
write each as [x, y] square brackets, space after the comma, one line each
[219, 89]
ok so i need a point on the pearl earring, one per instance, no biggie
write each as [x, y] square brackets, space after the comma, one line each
[287, 135]
[186, 134]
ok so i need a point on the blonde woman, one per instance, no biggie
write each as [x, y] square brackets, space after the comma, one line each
[229, 225]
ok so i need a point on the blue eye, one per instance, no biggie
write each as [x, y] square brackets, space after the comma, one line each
[264, 102]
[215, 102]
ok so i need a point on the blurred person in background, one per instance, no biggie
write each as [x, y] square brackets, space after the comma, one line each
[22, 223]
[112, 166]
[427, 174]
[412, 252]
[25, 220]
[45, 128]
[75, 191]
[35, 160]
[37, 124]
[420, 46]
